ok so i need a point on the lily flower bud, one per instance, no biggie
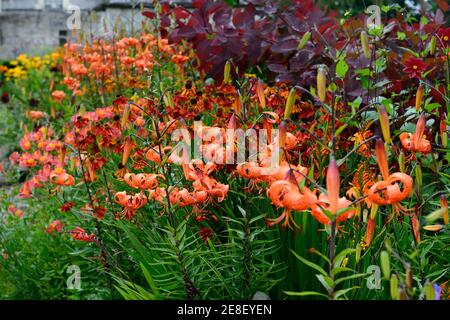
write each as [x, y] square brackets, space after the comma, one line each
[260, 93]
[444, 204]
[385, 264]
[381, 155]
[321, 83]
[304, 40]
[433, 45]
[394, 287]
[384, 122]
[237, 105]
[290, 103]
[420, 128]
[333, 185]
[415, 224]
[226, 72]
[369, 231]
[125, 115]
[127, 146]
[434, 227]
[365, 44]
[419, 97]
[282, 130]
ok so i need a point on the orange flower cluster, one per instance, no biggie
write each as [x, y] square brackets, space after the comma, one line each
[42, 154]
[114, 63]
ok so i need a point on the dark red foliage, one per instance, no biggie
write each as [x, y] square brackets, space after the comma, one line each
[66, 206]
[4, 97]
[261, 31]
[205, 233]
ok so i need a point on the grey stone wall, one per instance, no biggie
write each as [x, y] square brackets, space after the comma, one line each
[26, 27]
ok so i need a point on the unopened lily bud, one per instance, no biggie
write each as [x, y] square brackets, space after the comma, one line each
[365, 44]
[232, 124]
[125, 115]
[237, 105]
[373, 211]
[127, 146]
[290, 103]
[401, 162]
[409, 277]
[72, 164]
[419, 175]
[443, 132]
[444, 204]
[433, 45]
[429, 291]
[434, 227]
[333, 183]
[384, 122]
[226, 72]
[282, 130]
[304, 40]
[385, 264]
[436, 215]
[358, 253]
[420, 128]
[168, 100]
[99, 141]
[62, 155]
[415, 224]
[394, 287]
[369, 231]
[82, 110]
[419, 97]
[44, 133]
[381, 154]
[321, 83]
[260, 93]
[388, 245]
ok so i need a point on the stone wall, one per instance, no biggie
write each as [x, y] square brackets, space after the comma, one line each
[25, 29]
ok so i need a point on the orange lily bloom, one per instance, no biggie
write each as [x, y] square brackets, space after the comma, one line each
[393, 188]
[55, 226]
[184, 198]
[416, 141]
[287, 195]
[81, 235]
[127, 146]
[388, 191]
[142, 181]
[25, 191]
[60, 177]
[130, 201]
[325, 203]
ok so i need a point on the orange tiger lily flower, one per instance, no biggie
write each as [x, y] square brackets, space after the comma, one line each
[416, 141]
[158, 194]
[324, 202]
[130, 201]
[142, 181]
[388, 191]
[153, 154]
[185, 198]
[25, 191]
[127, 146]
[249, 170]
[81, 235]
[286, 195]
[60, 177]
